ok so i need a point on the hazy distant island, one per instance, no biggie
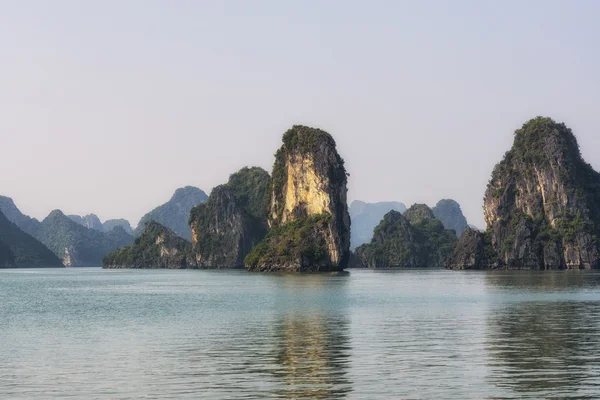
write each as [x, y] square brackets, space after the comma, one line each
[92, 221]
[20, 249]
[410, 240]
[365, 217]
[175, 213]
[72, 242]
[541, 206]
[448, 211]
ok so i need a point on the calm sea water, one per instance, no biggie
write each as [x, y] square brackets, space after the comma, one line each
[91, 333]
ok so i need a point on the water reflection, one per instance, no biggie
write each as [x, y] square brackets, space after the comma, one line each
[542, 349]
[542, 281]
[312, 356]
[311, 337]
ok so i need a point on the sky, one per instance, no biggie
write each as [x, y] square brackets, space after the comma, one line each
[107, 107]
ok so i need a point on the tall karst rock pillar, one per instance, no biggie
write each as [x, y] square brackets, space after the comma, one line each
[308, 212]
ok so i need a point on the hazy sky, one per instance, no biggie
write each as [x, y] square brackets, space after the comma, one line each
[109, 106]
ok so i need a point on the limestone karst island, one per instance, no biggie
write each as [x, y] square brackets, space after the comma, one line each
[541, 208]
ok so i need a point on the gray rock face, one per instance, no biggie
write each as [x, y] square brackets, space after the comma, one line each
[175, 213]
[232, 221]
[449, 212]
[472, 252]
[366, 216]
[542, 204]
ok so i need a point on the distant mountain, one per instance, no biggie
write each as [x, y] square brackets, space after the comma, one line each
[108, 225]
[449, 212]
[366, 216]
[90, 221]
[72, 242]
[7, 258]
[175, 213]
[410, 240]
[157, 247]
[77, 245]
[19, 249]
[24, 222]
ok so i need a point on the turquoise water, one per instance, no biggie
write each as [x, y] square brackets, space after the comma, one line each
[91, 333]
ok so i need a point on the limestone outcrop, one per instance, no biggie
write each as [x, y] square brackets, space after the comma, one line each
[308, 212]
[541, 206]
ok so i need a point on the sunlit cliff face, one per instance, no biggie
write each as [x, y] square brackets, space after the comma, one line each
[304, 188]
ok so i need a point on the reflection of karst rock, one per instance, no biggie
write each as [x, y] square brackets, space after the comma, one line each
[312, 357]
[542, 354]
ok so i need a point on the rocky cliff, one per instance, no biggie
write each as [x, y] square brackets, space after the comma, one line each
[449, 212]
[175, 213]
[308, 212]
[232, 221]
[473, 251]
[366, 216]
[157, 247]
[542, 204]
[410, 240]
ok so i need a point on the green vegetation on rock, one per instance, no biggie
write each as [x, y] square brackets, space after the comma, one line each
[301, 240]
